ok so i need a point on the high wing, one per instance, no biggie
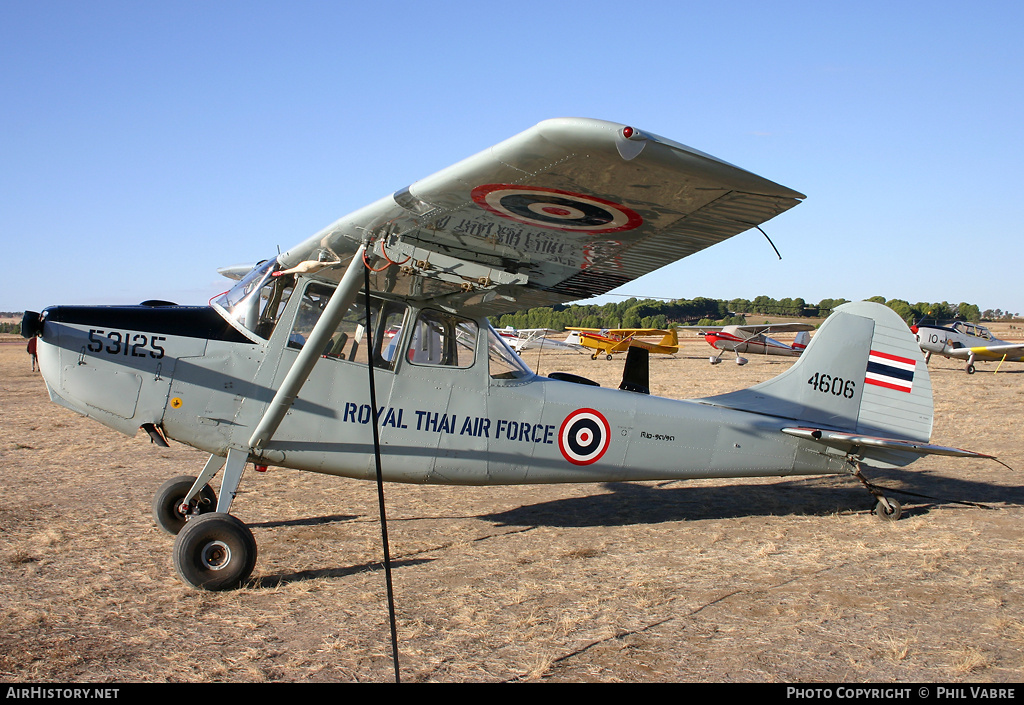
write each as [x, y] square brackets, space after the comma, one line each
[635, 332]
[569, 209]
[754, 329]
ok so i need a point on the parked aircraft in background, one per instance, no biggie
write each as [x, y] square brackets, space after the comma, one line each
[526, 338]
[609, 341]
[965, 341]
[753, 339]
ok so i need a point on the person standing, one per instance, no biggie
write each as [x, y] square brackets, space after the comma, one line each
[32, 352]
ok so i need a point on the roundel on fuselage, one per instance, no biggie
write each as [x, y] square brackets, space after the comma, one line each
[584, 436]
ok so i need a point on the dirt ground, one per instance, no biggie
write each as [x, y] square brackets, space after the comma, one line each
[773, 580]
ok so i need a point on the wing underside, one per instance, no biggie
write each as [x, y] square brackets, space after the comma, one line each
[569, 209]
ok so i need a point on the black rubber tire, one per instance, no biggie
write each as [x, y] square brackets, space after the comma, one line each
[168, 498]
[885, 514]
[215, 552]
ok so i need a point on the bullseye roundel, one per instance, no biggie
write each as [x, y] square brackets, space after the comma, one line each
[584, 436]
[558, 210]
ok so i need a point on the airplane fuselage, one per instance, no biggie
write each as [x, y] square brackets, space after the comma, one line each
[202, 382]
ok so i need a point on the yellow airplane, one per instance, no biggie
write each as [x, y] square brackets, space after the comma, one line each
[618, 340]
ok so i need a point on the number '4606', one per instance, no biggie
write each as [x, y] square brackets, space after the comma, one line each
[836, 386]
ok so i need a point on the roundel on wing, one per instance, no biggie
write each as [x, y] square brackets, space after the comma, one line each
[558, 210]
[584, 436]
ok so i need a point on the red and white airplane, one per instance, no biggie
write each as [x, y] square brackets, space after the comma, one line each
[753, 339]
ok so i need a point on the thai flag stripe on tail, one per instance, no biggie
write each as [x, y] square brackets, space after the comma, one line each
[890, 371]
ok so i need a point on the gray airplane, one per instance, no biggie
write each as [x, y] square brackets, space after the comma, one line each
[965, 341]
[379, 323]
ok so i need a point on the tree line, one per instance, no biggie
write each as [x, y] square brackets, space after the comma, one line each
[653, 313]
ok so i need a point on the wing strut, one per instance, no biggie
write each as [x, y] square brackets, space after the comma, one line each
[336, 308]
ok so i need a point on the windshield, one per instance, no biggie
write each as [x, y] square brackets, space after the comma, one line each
[502, 360]
[255, 303]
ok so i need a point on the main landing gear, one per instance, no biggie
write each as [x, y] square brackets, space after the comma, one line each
[171, 511]
[215, 552]
[213, 549]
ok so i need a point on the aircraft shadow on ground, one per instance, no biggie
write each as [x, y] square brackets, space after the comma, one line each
[644, 504]
[638, 504]
[305, 521]
[278, 579]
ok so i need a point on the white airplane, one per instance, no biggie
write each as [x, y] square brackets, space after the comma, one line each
[753, 339]
[291, 368]
[521, 339]
[965, 341]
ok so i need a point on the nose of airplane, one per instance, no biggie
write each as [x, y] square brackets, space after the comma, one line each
[31, 324]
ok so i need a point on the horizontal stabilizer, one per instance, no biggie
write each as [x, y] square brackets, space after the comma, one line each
[848, 441]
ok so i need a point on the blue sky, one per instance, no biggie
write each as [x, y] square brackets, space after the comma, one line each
[146, 144]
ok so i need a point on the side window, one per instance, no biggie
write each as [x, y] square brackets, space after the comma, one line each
[349, 341]
[442, 339]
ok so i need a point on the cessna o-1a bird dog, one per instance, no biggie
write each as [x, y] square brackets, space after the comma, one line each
[284, 368]
[965, 341]
[753, 339]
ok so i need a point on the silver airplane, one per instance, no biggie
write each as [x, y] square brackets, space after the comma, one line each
[520, 339]
[293, 368]
[754, 339]
[965, 341]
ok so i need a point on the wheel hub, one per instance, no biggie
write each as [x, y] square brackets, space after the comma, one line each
[216, 555]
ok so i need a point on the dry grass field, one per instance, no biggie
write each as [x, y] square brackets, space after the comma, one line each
[767, 580]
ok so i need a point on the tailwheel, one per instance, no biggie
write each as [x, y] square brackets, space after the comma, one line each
[215, 552]
[167, 503]
[888, 509]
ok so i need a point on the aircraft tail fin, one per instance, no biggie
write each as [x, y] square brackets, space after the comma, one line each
[671, 338]
[862, 373]
[801, 340]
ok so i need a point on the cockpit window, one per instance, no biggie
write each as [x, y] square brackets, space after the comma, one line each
[349, 341]
[255, 303]
[442, 339]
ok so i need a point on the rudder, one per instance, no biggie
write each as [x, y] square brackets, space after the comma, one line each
[863, 371]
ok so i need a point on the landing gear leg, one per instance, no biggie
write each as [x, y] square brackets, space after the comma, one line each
[215, 551]
[232, 476]
[886, 509]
